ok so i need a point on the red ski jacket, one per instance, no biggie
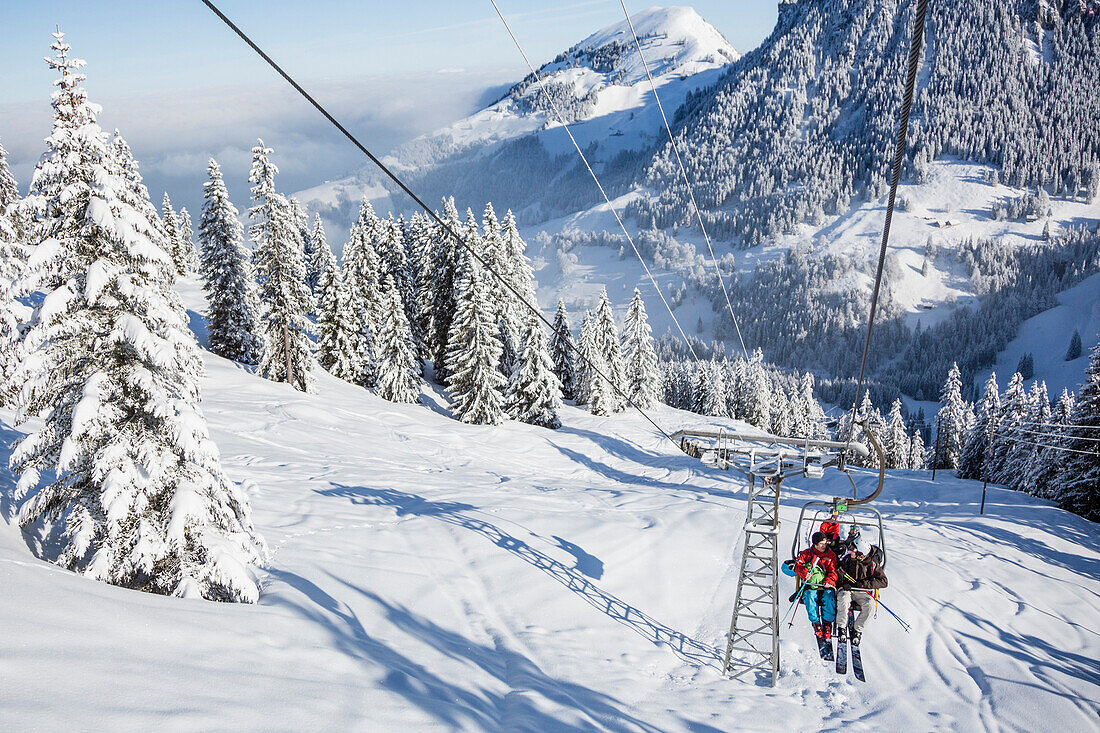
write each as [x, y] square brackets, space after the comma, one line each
[826, 561]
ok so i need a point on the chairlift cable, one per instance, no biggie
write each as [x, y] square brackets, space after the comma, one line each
[683, 172]
[1059, 447]
[899, 156]
[1057, 436]
[446, 227]
[561, 119]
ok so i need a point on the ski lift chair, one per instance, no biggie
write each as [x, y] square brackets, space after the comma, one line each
[848, 512]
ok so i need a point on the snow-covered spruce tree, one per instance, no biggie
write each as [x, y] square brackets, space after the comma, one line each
[112, 369]
[284, 296]
[1003, 440]
[518, 270]
[233, 312]
[1080, 476]
[1027, 451]
[607, 341]
[896, 440]
[338, 345]
[972, 462]
[320, 256]
[443, 259]
[473, 350]
[13, 257]
[781, 412]
[589, 360]
[135, 193]
[172, 231]
[951, 421]
[815, 416]
[301, 223]
[1074, 349]
[398, 378]
[640, 356]
[186, 251]
[394, 261]
[756, 409]
[418, 238]
[916, 452]
[356, 274]
[1046, 463]
[700, 387]
[562, 351]
[534, 393]
[9, 198]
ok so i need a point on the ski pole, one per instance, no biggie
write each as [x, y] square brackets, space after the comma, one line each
[898, 618]
[797, 597]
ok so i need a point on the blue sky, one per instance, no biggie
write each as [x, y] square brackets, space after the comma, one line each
[182, 88]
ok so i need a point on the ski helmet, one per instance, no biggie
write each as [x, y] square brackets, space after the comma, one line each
[863, 547]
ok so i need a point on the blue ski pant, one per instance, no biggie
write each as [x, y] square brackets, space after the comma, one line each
[826, 597]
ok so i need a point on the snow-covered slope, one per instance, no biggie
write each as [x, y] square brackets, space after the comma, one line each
[430, 575]
[601, 86]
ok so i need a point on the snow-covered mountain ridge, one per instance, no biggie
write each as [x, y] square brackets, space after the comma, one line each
[600, 85]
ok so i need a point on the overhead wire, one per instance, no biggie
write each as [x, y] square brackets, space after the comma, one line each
[1059, 447]
[1059, 436]
[443, 224]
[584, 159]
[915, 45]
[683, 172]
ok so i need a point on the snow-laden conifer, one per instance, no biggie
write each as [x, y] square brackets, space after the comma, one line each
[534, 393]
[301, 223]
[916, 452]
[280, 268]
[640, 357]
[186, 251]
[562, 353]
[13, 255]
[418, 237]
[337, 324]
[320, 256]
[781, 412]
[757, 406]
[951, 421]
[394, 261]
[1046, 463]
[589, 359]
[474, 381]
[607, 340]
[398, 377]
[233, 312]
[974, 457]
[361, 276]
[895, 442]
[9, 199]
[1079, 489]
[442, 260]
[172, 232]
[138, 494]
[1003, 442]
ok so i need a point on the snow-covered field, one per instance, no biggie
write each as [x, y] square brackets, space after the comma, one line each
[426, 574]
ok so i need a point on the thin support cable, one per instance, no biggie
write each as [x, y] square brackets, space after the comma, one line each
[1059, 436]
[687, 183]
[1059, 447]
[561, 119]
[446, 227]
[899, 156]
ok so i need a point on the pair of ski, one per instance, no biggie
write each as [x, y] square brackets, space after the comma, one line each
[825, 647]
[842, 659]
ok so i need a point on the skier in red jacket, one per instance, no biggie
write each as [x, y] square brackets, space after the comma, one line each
[816, 566]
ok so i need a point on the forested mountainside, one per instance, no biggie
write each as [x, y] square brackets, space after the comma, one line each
[803, 125]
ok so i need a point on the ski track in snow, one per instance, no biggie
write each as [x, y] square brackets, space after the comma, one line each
[429, 575]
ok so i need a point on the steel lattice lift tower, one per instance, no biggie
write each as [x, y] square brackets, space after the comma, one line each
[753, 643]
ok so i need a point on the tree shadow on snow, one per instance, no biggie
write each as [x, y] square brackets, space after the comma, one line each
[452, 703]
[686, 648]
